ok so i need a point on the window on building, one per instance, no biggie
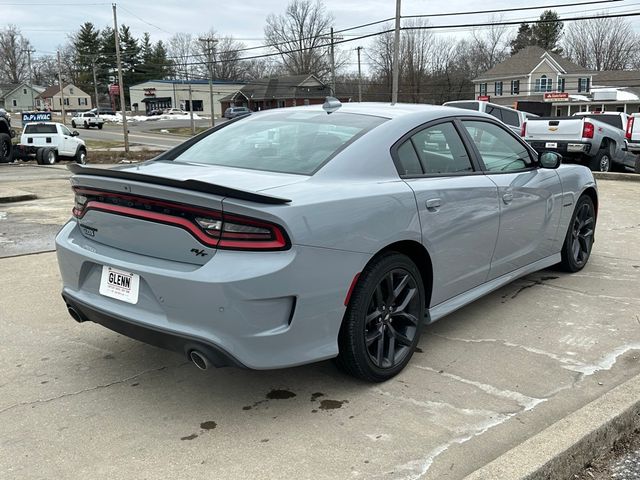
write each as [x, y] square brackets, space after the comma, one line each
[66, 101]
[83, 101]
[71, 90]
[483, 89]
[561, 82]
[498, 88]
[583, 85]
[24, 91]
[544, 84]
[515, 87]
[14, 102]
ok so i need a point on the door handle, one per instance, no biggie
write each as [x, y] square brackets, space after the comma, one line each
[507, 198]
[433, 204]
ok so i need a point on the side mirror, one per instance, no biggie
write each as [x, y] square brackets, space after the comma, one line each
[550, 160]
[75, 133]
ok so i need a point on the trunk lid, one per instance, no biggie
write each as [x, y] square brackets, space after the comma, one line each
[151, 209]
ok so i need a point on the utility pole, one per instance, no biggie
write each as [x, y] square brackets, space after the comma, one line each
[95, 84]
[333, 68]
[29, 51]
[396, 56]
[61, 87]
[193, 125]
[123, 105]
[209, 41]
[359, 76]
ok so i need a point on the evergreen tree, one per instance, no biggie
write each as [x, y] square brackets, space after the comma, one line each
[85, 51]
[523, 39]
[547, 35]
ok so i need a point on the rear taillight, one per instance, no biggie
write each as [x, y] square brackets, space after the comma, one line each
[523, 130]
[629, 128]
[211, 227]
[587, 130]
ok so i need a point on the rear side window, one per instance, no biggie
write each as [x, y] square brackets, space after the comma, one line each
[288, 142]
[441, 150]
[36, 128]
[510, 117]
[408, 159]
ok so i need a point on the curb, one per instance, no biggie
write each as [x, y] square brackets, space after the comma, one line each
[628, 177]
[11, 195]
[566, 447]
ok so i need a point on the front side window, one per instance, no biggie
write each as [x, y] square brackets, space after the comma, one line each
[499, 150]
[440, 150]
[65, 130]
[284, 141]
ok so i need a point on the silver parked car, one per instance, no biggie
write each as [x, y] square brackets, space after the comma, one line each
[233, 112]
[302, 234]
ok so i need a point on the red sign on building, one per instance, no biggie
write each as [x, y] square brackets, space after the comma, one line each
[556, 96]
[484, 98]
[149, 92]
[114, 89]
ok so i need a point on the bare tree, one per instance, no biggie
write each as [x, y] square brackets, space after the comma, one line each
[182, 48]
[489, 46]
[45, 71]
[602, 43]
[298, 35]
[258, 68]
[225, 54]
[417, 45]
[13, 55]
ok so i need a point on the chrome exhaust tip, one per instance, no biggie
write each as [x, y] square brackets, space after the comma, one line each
[199, 360]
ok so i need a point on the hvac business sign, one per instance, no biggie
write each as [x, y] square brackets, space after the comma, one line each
[36, 117]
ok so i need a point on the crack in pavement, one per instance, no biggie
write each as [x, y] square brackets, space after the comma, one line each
[85, 390]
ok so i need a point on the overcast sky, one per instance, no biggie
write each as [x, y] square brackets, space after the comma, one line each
[47, 24]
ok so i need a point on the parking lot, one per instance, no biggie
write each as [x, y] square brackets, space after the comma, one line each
[79, 401]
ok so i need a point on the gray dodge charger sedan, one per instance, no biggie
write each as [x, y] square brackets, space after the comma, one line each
[301, 234]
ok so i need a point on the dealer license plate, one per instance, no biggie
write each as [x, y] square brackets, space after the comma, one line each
[119, 284]
[551, 145]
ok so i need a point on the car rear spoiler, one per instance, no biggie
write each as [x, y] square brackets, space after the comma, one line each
[194, 185]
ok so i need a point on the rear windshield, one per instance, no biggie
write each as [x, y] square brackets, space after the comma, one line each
[288, 142]
[613, 120]
[40, 128]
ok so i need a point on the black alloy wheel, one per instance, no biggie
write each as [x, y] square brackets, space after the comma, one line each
[391, 322]
[384, 319]
[580, 236]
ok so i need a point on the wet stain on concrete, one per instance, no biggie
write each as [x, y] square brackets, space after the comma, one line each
[314, 411]
[532, 284]
[42, 383]
[332, 404]
[108, 356]
[208, 425]
[135, 384]
[264, 440]
[44, 359]
[189, 437]
[280, 394]
[315, 396]
[247, 407]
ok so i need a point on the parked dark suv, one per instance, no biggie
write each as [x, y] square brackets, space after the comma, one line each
[6, 134]
[234, 112]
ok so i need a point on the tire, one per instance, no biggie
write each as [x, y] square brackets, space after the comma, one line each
[578, 242]
[602, 161]
[73, 124]
[39, 153]
[81, 156]
[636, 168]
[6, 147]
[100, 125]
[49, 156]
[86, 126]
[377, 338]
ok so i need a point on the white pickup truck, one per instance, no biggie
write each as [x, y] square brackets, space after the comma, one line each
[49, 142]
[596, 139]
[87, 120]
[633, 138]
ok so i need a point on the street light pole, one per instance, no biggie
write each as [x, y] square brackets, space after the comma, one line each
[396, 55]
[61, 88]
[95, 85]
[333, 68]
[209, 41]
[123, 104]
[29, 51]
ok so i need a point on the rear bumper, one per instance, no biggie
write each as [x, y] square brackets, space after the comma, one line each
[262, 310]
[563, 148]
[153, 336]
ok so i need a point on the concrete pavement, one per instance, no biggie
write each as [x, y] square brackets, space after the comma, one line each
[79, 401]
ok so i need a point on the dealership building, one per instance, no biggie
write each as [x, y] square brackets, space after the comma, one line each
[161, 94]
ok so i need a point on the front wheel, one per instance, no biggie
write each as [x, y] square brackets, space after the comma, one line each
[384, 319]
[100, 125]
[81, 156]
[5, 148]
[576, 249]
[73, 124]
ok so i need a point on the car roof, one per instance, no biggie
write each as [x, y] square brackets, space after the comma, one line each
[385, 110]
